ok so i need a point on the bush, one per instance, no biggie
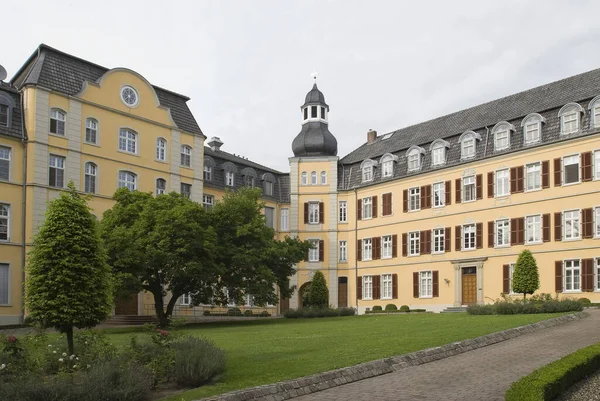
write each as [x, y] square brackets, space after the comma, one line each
[390, 307]
[234, 312]
[197, 361]
[247, 312]
[377, 307]
[551, 380]
[264, 314]
[319, 294]
[585, 301]
[477, 309]
[346, 311]
[404, 308]
[531, 306]
[314, 312]
[206, 313]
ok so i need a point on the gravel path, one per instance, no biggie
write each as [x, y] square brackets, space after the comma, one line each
[586, 390]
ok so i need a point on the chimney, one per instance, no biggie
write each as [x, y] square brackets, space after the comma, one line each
[215, 143]
[371, 136]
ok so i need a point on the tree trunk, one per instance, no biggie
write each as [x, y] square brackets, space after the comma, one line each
[159, 308]
[524, 296]
[171, 306]
[70, 345]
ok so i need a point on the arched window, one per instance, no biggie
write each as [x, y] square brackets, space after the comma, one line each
[230, 171]
[367, 170]
[323, 178]
[570, 118]
[161, 186]
[90, 178]
[532, 128]
[313, 178]
[57, 121]
[91, 130]
[268, 183]
[501, 133]
[468, 144]
[249, 177]
[209, 164]
[186, 156]
[438, 152]
[127, 140]
[161, 149]
[594, 108]
[387, 165]
[6, 106]
[127, 180]
[414, 158]
[304, 178]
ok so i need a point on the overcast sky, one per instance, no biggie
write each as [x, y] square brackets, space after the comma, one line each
[382, 64]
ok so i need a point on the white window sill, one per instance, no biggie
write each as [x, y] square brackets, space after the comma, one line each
[128, 153]
[386, 298]
[571, 239]
[386, 257]
[342, 222]
[57, 135]
[572, 292]
[501, 246]
[414, 255]
[502, 196]
[92, 144]
[387, 215]
[367, 299]
[438, 207]
[367, 260]
[468, 249]
[568, 184]
[387, 176]
[534, 243]
[414, 210]
[425, 296]
[569, 133]
[367, 218]
[313, 261]
[532, 190]
[469, 201]
[531, 143]
[342, 261]
[161, 161]
[438, 253]
[190, 168]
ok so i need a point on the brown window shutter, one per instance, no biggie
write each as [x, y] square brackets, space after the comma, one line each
[321, 250]
[586, 166]
[587, 275]
[448, 192]
[588, 223]
[376, 248]
[416, 284]
[359, 209]
[305, 212]
[428, 196]
[546, 227]
[558, 276]
[514, 232]
[506, 279]
[426, 189]
[405, 200]
[436, 283]
[457, 238]
[358, 249]
[359, 287]
[423, 192]
[546, 174]
[376, 287]
[479, 235]
[558, 226]
[394, 286]
[374, 200]
[521, 230]
[448, 239]
[490, 234]
[321, 212]
[404, 244]
[490, 184]
[479, 184]
[387, 204]
[557, 172]
[384, 204]
[428, 241]
[458, 189]
[520, 179]
[422, 240]
[513, 180]
[394, 245]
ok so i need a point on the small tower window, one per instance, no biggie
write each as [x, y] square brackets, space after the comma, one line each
[4, 115]
[313, 111]
[323, 113]
[306, 113]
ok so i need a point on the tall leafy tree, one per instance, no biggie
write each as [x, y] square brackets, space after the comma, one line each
[319, 294]
[526, 278]
[69, 283]
[160, 244]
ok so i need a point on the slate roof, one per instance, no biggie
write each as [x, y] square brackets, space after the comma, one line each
[553, 95]
[15, 128]
[65, 73]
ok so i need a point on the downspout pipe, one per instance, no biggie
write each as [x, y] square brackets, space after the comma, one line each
[356, 253]
[23, 208]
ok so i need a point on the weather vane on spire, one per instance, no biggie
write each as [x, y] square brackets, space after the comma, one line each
[314, 75]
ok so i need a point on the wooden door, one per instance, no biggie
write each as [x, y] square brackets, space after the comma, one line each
[284, 304]
[127, 305]
[342, 292]
[469, 285]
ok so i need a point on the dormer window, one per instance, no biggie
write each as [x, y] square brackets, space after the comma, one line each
[413, 157]
[268, 183]
[532, 128]
[4, 115]
[367, 170]
[387, 165]
[570, 116]
[438, 152]
[6, 105]
[468, 144]
[57, 121]
[594, 108]
[501, 133]
[249, 177]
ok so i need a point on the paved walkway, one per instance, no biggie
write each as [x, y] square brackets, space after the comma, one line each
[482, 374]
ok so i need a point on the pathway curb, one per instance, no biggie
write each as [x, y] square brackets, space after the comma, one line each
[322, 381]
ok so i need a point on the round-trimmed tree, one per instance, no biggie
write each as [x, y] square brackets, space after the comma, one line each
[69, 283]
[318, 296]
[526, 279]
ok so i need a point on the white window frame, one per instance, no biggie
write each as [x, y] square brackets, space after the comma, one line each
[468, 147]
[414, 160]
[367, 172]
[58, 163]
[269, 188]
[7, 110]
[161, 149]
[597, 274]
[414, 199]
[5, 218]
[185, 189]
[304, 178]
[573, 265]
[438, 155]
[367, 251]
[185, 299]
[464, 188]
[414, 243]
[313, 252]
[386, 247]
[323, 177]
[386, 286]
[128, 139]
[570, 118]
[471, 231]
[229, 178]
[597, 222]
[127, 179]
[284, 224]
[574, 216]
[596, 114]
[511, 272]
[596, 162]
[160, 191]
[208, 201]
[534, 222]
[502, 139]
[313, 178]
[8, 284]
[536, 172]
[571, 159]
[343, 251]
[501, 226]
[502, 182]
[426, 284]
[439, 194]
[90, 170]
[367, 287]
[60, 116]
[439, 240]
[343, 211]
[313, 212]
[91, 129]
[207, 173]
[367, 208]
[387, 168]
[5, 155]
[186, 156]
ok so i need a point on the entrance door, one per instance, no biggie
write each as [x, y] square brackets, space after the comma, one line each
[342, 292]
[127, 305]
[469, 285]
[284, 304]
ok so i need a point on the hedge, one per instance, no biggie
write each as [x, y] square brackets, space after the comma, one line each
[313, 312]
[527, 307]
[371, 312]
[551, 380]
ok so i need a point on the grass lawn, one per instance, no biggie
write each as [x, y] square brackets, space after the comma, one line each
[267, 351]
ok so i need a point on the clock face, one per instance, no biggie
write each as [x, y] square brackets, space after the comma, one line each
[129, 96]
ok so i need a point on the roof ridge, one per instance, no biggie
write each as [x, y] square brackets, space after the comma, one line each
[271, 170]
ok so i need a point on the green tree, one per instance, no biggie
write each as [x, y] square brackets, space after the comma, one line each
[526, 278]
[160, 244]
[319, 294]
[69, 283]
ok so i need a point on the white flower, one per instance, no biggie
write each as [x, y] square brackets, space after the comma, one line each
[49, 345]
[61, 360]
[86, 343]
[64, 354]
[74, 366]
[76, 358]
[54, 352]
[89, 366]
[2, 366]
[71, 357]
